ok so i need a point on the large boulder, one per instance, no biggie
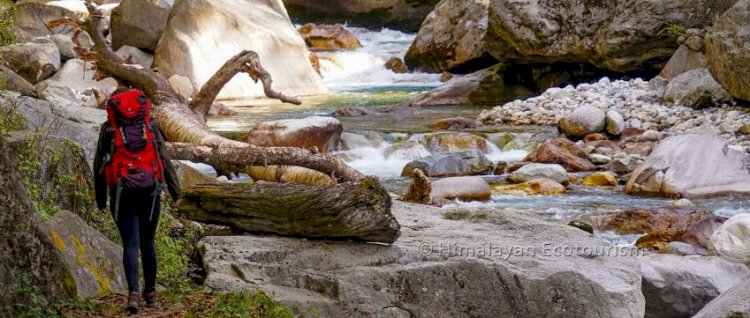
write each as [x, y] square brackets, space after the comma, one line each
[539, 170]
[134, 55]
[140, 23]
[583, 121]
[695, 89]
[683, 60]
[677, 168]
[30, 276]
[94, 262]
[734, 303]
[461, 188]
[32, 16]
[452, 35]
[452, 164]
[437, 268]
[728, 52]
[328, 37]
[679, 286]
[34, 61]
[201, 35]
[404, 15]
[73, 122]
[563, 152]
[9, 80]
[620, 36]
[61, 170]
[76, 84]
[732, 239]
[316, 131]
[290, 174]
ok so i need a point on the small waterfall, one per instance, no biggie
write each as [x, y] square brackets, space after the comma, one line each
[363, 69]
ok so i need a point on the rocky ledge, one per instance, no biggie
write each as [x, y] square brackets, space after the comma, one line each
[448, 262]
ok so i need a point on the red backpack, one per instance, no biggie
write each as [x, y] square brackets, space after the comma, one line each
[134, 159]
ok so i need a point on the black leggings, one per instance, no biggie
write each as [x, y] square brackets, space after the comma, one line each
[136, 230]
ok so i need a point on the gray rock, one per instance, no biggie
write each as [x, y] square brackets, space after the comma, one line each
[134, 55]
[66, 46]
[677, 168]
[459, 28]
[452, 164]
[727, 53]
[734, 303]
[539, 170]
[696, 89]
[76, 123]
[73, 84]
[617, 36]
[406, 150]
[615, 123]
[34, 61]
[650, 136]
[732, 238]
[461, 188]
[33, 15]
[583, 121]
[437, 268]
[695, 43]
[680, 248]
[140, 23]
[683, 60]
[599, 159]
[679, 286]
[92, 259]
[658, 85]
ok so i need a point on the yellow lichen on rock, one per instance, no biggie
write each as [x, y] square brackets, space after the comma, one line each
[605, 179]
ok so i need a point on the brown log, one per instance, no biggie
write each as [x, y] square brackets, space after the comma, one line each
[353, 210]
[230, 158]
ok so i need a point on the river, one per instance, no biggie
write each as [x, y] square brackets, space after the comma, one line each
[358, 78]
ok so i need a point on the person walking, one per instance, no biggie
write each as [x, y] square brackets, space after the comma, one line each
[132, 167]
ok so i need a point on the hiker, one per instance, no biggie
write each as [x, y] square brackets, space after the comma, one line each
[132, 165]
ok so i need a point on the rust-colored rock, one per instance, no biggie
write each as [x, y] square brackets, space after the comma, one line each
[455, 123]
[594, 137]
[328, 37]
[541, 186]
[320, 132]
[315, 62]
[396, 65]
[640, 221]
[563, 152]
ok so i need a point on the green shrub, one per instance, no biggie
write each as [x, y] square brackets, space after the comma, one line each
[7, 22]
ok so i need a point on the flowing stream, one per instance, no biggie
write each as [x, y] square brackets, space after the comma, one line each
[359, 78]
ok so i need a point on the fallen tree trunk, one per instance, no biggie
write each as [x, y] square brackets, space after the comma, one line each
[238, 158]
[354, 210]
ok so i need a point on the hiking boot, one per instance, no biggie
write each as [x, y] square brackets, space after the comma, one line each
[150, 298]
[134, 300]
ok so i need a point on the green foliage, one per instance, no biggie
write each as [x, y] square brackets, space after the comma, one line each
[7, 22]
[675, 29]
[240, 305]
